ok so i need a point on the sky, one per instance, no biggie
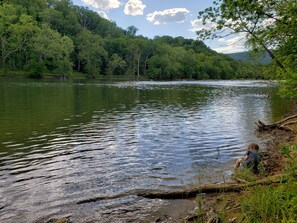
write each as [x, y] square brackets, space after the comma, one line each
[162, 17]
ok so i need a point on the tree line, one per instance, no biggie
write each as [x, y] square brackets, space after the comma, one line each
[57, 37]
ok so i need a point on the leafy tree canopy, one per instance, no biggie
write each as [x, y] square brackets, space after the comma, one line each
[56, 37]
[266, 24]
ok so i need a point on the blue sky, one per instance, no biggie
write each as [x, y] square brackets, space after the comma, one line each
[159, 18]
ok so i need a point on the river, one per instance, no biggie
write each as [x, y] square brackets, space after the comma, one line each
[64, 145]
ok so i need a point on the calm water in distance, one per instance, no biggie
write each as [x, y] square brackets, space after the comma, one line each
[64, 144]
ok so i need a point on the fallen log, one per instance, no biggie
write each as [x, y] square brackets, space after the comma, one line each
[282, 124]
[210, 188]
[101, 198]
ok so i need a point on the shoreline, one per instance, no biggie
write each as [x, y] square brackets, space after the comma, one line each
[82, 76]
[207, 207]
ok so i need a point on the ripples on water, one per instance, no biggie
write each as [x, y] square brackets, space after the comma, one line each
[114, 139]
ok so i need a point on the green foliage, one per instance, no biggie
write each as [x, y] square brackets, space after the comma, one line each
[16, 29]
[55, 36]
[266, 25]
[289, 85]
[200, 215]
[51, 51]
[287, 149]
[116, 65]
[131, 31]
[269, 204]
[290, 152]
[91, 52]
[245, 174]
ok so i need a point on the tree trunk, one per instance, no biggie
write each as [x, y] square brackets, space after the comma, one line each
[269, 52]
[78, 65]
[210, 188]
[138, 66]
[3, 58]
[274, 58]
[145, 64]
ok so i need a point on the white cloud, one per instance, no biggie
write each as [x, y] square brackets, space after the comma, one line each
[232, 45]
[241, 37]
[103, 5]
[197, 25]
[103, 14]
[168, 15]
[134, 7]
[230, 49]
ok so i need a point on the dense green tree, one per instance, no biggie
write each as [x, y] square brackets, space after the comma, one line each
[189, 64]
[91, 54]
[62, 18]
[116, 65]
[131, 31]
[117, 45]
[39, 36]
[51, 51]
[16, 30]
[137, 54]
[166, 64]
[33, 8]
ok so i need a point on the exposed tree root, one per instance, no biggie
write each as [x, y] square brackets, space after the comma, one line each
[283, 124]
[211, 188]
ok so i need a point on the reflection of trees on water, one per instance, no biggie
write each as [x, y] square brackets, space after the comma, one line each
[42, 106]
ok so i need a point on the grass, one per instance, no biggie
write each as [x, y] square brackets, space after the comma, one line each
[245, 174]
[290, 151]
[274, 203]
[200, 216]
[271, 204]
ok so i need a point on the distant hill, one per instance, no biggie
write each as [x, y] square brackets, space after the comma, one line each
[262, 58]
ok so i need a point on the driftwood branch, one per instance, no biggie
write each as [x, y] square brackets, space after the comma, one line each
[282, 124]
[211, 188]
[191, 193]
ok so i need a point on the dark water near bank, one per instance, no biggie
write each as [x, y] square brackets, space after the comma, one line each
[64, 145]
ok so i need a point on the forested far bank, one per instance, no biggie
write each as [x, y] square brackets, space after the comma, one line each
[39, 37]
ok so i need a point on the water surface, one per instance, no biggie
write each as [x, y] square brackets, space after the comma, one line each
[65, 144]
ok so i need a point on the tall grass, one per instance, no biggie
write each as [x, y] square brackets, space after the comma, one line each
[269, 204]
[274, 204]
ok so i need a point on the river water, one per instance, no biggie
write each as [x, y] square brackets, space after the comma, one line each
[83, 149]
